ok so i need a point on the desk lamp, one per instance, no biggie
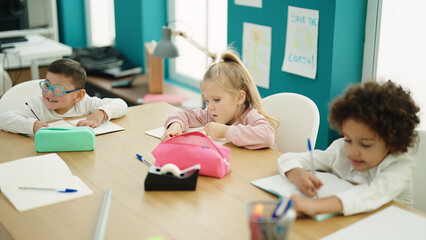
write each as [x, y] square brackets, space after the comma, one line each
[167, 49]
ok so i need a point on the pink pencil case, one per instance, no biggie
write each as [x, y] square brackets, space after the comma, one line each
[193, 148]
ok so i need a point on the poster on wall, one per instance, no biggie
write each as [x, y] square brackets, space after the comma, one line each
[249, 3]
[301, 44]
[257, 52]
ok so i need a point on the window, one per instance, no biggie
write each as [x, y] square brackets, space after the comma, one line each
[207, 25]
[395, 46]
[100, 22]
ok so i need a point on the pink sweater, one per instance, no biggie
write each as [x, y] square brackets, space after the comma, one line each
[252, 132]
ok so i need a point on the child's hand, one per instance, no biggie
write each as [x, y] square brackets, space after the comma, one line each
[173, 130]
[93, 120]
[304, 205]
[306, 182]
[311, 206]
[215, 130]
[39, 124]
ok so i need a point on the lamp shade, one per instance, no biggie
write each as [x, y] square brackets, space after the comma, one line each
[165, 47]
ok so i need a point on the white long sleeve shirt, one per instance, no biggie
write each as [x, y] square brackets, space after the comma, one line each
[22, 120]
[390, 180]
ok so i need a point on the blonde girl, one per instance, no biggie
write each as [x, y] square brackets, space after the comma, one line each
[233, 108]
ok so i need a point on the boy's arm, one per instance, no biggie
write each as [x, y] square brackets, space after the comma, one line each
[18, 121]
[113, 107]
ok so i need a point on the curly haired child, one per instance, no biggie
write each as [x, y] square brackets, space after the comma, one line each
[234, 108]
[377, 122]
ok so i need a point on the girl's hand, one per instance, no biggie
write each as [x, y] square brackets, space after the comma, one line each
[310, 206]
[39, 124]
[173, 130]
[93, 120]
[215, 130]
[304, 205]
[306, 182]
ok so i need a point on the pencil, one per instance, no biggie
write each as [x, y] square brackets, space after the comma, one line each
[32, 111]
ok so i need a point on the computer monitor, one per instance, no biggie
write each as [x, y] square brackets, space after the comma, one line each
[13, 15]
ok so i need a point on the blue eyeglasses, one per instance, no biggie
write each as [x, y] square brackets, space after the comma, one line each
[57, 90]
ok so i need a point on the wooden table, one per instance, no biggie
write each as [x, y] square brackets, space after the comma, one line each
[137, 91]
[216, 210]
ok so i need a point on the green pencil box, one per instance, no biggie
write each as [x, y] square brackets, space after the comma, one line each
[66, 139]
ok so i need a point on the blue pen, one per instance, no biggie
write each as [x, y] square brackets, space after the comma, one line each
[281, 209]
[312, 157]
[66, 190]
[144, 160]
[312, 160]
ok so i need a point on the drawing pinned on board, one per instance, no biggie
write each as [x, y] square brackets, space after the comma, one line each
[301, 44]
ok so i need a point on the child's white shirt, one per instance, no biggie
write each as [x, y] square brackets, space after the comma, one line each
[22, 120]
[390, 180]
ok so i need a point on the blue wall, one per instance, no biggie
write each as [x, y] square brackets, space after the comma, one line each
[71, 21]
[340, 49]
[137, 22]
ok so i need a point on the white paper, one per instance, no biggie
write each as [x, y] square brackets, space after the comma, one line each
[105, 127]
[45, 171]
[282, 187]
[159, 132]
[249, 3]
[392, 223]
[61, 123]
[301, 42]
[257, 52]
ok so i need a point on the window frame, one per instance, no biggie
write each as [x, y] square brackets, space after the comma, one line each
[175, 75]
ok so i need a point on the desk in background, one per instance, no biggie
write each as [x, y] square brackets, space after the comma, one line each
[216, 210]
[36, 48]
[101, 87]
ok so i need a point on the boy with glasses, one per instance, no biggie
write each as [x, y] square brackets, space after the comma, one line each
[63, 96]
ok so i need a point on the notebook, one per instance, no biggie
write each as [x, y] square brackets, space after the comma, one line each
[44, 171]
[282, 187]
[105, 127]
[159, 132]
[391, 223]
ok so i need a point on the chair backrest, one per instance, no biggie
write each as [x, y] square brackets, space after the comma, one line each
[419, 177]
[5, 81]
[19, 94]
[298, 117]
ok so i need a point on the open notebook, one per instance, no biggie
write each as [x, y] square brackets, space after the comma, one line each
[44, 171]
[159, 132]
[282, 187]
[105, 127]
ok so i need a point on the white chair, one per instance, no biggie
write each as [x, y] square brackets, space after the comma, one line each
[298, 117]
[5, 81]
[419, 177]
[19, 94]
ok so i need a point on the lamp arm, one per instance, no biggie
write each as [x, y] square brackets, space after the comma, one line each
[196, 44]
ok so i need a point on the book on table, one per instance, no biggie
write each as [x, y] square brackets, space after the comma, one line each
[283, 188]
[105, 127]
[47, 171]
